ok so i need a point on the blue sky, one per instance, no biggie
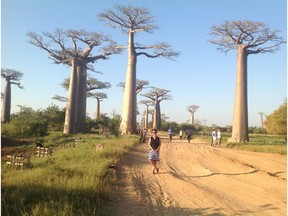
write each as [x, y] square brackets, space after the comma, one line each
[201, 75]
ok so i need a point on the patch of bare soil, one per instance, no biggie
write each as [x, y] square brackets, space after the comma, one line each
[197, 179]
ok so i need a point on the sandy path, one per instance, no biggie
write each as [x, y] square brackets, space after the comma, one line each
[197, 179]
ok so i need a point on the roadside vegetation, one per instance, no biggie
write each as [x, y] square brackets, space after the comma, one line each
[72, 181]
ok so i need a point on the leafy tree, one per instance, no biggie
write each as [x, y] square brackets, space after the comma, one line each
[276, 123]
[27, 123]
[247, 38]
[133, 21]
[12, 77]
[80, 60]
[55, 117]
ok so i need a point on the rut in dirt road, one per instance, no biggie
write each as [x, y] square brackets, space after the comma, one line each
[197, 179]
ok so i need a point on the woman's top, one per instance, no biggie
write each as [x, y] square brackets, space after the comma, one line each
[154, 143]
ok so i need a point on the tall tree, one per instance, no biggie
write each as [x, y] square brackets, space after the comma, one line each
[157, 95]
[132, 21]
[247, 38]
[147, 103]
[92, 84]
[192, 109]
[12, 77]
[99, 96]
[261, 117]
[80, 59]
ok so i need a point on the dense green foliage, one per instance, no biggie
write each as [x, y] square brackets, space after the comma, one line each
[28, 122]
[276, 123]
[73, 181]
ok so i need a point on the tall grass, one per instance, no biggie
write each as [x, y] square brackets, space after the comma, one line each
[73, 181]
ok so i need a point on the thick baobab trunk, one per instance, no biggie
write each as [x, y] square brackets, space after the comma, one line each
[71, 109]
[6, 106]
[128, 122]
[146, 117]
[192, 118]
[157, 116]
[81, 97]
[240, 117]
[159, 125]
[97, 114]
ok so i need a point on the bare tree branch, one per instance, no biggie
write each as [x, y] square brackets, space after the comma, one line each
[254, 35]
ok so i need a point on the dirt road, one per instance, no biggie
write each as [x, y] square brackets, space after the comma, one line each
[197, 179]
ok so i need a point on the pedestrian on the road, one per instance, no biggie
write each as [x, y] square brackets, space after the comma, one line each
[170, 133]
[181, 134]
[213, 134]
[219, 137]
[189, 134]
[154, 145]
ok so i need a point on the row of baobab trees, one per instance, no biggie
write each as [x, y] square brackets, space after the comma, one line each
[246, 37]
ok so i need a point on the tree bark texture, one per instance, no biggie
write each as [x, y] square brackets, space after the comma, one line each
[240, 120]
[128, 123]
[71, 109]
[97, 114]
[81, 97]
[146, 117]
[6, 104]
[157, 115]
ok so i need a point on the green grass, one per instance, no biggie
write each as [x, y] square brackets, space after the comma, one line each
[73, 181]
[275, 144]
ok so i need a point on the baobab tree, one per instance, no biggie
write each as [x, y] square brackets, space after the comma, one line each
[132, 21]
[99, 96]
[92, 84]
[140, 85]
[192, 109]
[157, 95]
[147, 103]
[261, 117]
[80, 60]
[12, 77]
[247, 38]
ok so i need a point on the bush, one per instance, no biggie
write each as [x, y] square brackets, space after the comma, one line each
[27, 123]
[19, 128]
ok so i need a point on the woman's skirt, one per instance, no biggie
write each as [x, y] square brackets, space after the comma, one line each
[153, 155]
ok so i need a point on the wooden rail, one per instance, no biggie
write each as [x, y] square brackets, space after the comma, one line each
[43, 152]
[18, 161]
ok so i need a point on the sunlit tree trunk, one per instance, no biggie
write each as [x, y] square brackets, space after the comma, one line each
[159, 125]
[192, 119]
[146, 117]
[71, 109]
[128, 122]
[157, 115]
[81, 97]
[6, 106]
[240, 117]
[97, 114]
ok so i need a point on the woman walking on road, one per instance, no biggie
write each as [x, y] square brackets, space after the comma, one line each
[154, 145]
